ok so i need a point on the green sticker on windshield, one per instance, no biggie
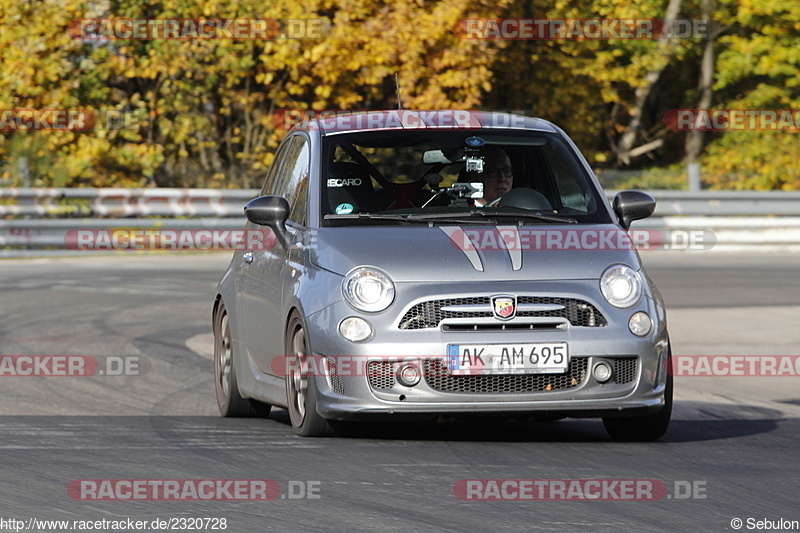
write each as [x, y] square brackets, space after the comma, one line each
[344, 209]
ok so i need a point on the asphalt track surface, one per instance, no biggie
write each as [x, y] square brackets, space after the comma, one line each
[734, 442]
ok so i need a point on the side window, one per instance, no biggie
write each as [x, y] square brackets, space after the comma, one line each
[288, 176]
[281, 181]
[570, 179]
[291, 179]
[274, 169]
[298, 213]
[297, 186]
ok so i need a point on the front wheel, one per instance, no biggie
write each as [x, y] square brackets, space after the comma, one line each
[229, 401]
[301, 390]
[647, 427]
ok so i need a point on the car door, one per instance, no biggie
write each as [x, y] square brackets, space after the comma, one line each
[264, 272]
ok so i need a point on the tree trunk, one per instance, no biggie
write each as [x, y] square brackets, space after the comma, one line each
[694, 140]
[664, 51]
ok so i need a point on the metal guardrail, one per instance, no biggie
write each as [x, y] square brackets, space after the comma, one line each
[41, 218]
[53, 233]
[725, 203]
[113, 202]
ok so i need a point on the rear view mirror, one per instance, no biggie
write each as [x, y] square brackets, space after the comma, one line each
[445, 157]
[431, 157]
[633, 205]
[271, 211]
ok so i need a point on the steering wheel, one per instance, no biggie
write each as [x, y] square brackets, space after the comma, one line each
[523, 198]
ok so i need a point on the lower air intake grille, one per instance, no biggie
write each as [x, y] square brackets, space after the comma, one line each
[334, 378]
[381, 374]
[625, 369]
[439, 378]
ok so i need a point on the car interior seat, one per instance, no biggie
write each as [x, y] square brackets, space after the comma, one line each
[349, 189]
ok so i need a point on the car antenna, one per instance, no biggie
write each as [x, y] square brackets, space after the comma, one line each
[397, 84]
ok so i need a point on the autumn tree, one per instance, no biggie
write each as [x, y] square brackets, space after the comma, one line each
[208, 104]
[206, 108]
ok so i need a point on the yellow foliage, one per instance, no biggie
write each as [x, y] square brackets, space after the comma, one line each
[208, 104]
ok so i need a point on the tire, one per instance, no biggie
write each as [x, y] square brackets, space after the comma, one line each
[229, 401]
[648, 427]
[301, 391]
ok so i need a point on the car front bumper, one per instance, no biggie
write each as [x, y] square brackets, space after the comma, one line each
[346, 385]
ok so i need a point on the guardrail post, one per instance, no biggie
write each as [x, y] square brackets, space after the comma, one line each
[24, 171]
[694, 176]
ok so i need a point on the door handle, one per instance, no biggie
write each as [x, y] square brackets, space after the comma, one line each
[248, 257]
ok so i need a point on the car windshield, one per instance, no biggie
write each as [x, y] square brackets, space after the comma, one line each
[480, 176]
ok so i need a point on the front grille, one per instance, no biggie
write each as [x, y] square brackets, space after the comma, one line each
[625, 369]
[430, 314]
[505, 326]
[334, 379]
[381, 374]
[438, 377]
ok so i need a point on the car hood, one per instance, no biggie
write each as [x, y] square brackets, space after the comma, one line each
[474, 253]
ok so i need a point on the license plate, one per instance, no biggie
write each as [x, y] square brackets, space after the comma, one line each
[492, 359]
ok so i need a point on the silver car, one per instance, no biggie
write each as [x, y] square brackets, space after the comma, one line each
[452, 263]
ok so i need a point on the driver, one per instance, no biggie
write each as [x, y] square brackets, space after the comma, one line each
[497, 175]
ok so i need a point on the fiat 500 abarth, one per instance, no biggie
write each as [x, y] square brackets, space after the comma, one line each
[448, 263]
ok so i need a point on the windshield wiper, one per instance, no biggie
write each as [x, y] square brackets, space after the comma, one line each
[461, 217]
[449, 218]
[555, 219]
[489, 213]
[367, 216]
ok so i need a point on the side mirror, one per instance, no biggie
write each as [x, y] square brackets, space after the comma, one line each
[270, 211]
[633, 205]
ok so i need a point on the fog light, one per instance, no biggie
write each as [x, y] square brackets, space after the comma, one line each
[602, 372]
[355, 329]
[640, 324]
[408, 375]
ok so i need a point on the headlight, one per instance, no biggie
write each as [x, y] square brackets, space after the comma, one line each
[368, 289]
[621, 286]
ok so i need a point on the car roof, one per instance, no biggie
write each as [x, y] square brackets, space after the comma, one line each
[335, 123]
